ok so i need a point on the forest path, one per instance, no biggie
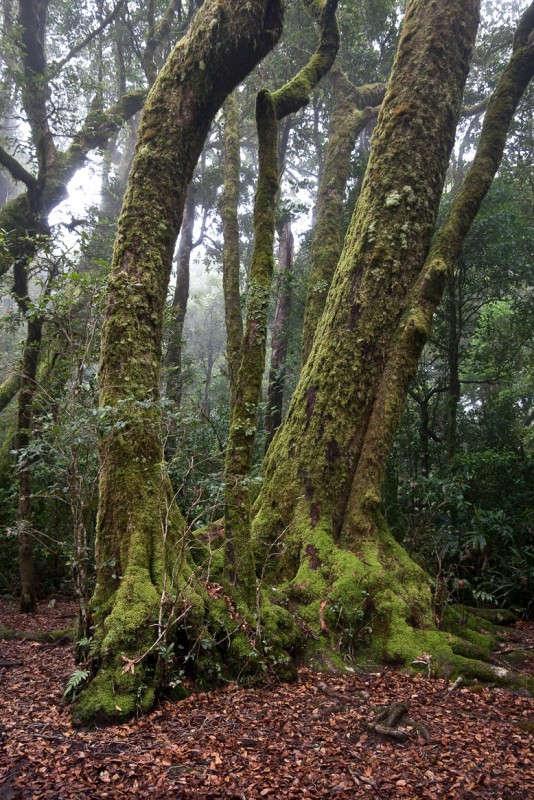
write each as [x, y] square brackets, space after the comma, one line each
[300, 740]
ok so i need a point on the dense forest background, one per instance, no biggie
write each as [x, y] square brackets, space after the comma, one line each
[459, 487]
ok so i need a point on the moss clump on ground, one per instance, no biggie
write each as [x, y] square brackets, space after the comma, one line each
[68, 634]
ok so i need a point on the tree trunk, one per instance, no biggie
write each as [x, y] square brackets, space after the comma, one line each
[271, 107]
[141, 573]
[28, 385]
[280, 334]
[351, 114]
[179, 302]
[9, 388]
[324, 470]
[453, 363]
[231, 257]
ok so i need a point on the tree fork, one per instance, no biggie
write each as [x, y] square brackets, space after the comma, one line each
[440, 263]
[316, 492]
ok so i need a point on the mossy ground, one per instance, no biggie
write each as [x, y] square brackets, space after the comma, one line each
[9, 634]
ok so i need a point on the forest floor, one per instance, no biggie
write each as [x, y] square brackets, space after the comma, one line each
[307, 739]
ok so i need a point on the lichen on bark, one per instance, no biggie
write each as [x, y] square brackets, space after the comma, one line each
[354, 108]
[231, 257]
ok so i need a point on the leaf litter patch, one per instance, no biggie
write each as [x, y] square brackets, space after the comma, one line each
[382, 735]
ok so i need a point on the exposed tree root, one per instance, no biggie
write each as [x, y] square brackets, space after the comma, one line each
[393, 721]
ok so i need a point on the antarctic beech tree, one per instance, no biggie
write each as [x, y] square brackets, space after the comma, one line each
[354, 108]
[271, 107]
[324, 470]
[139, 530]
[338, 553]
[319, 510]
[25, 220]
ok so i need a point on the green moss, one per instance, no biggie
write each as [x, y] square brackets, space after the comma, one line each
[497, 616]
[518, 658]
[482, 642]
[113, 696]
[134, 612]
[37, 636]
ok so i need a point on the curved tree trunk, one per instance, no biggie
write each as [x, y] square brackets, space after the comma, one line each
[139, 531]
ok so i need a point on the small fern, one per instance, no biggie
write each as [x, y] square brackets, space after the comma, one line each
[78, 677]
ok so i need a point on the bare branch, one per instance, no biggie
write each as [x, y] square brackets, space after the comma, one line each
[57, 66]
[16, 170]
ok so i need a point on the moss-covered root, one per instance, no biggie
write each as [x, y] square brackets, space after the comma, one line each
[221, 639]
[124, 681]
[376, 603]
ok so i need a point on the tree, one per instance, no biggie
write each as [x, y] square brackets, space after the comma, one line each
[271, 107]
[43, 85]
[139, 527]
[324, 470]
[319, 510]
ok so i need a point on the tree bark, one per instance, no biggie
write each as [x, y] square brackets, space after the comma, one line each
[231, 257]
[324, 469]
[179, 302]
[270, 109]
[139, 530]
[426, 292]
[353, 109]
[28, 386]
[453, 364]
[280, 334]
[9, 388]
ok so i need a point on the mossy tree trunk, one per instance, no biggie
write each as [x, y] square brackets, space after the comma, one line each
[271, 107]
[139, 530]
[10, 387]
[354, 108]
[180, 298]
[231, 256]
[28, 386]
[325, 469]
[280, 333]
[454, 334]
